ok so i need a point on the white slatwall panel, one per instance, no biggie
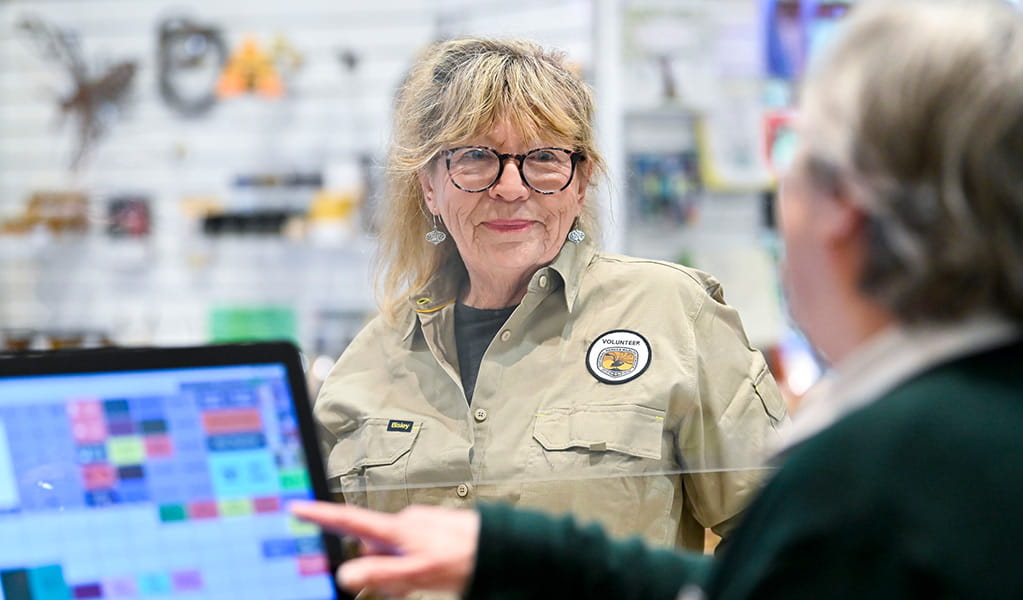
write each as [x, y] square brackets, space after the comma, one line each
[160, 291]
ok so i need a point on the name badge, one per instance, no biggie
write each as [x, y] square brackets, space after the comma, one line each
[618, 356]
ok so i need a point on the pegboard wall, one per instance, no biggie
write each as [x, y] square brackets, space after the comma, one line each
[175, 284]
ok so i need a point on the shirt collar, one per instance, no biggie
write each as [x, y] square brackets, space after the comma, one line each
[570, 264]
[440, 291]
[889, 359]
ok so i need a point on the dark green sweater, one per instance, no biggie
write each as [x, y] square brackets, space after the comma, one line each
[918, 495]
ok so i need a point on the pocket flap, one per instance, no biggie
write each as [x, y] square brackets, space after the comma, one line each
[633, 430]
[374, 443]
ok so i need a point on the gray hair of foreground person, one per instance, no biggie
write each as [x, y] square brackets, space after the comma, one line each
[918, 117]
[455, 90]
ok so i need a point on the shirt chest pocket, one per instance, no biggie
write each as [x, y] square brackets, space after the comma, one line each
[602, 439]
[373, 460]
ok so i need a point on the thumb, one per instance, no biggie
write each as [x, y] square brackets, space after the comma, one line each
[390, 574]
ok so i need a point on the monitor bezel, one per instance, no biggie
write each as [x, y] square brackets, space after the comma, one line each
[119, 359]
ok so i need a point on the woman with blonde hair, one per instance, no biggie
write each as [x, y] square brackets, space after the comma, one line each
[514, 361]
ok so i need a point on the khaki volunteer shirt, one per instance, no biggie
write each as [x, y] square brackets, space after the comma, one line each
[621, 390]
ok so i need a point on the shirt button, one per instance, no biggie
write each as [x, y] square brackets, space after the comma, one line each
[543, 281]
[480, 414]
[462, 490]
[505, 335]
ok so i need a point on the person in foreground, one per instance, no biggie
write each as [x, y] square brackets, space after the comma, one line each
[513, 360]
[902, 219]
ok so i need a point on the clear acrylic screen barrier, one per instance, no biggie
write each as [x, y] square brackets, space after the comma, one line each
[627, 471]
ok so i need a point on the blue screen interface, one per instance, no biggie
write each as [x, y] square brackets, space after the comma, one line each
[168, 483]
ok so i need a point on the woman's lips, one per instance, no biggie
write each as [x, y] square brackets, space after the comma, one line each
[510, 225]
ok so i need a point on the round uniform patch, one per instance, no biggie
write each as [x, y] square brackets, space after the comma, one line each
[618, 356]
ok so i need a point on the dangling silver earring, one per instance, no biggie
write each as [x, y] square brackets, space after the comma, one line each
[576, 235]
[436, 236]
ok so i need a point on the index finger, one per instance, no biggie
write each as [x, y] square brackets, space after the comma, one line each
[345, 519]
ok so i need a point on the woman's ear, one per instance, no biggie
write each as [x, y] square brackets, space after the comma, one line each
[429, 193]
[835, 213]
[583, 172]
[844, 217]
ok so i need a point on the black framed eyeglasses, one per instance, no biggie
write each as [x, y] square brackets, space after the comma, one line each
[478, 168]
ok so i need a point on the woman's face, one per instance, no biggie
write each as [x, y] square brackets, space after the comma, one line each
[800, 267]
[812, 221]
[509, 229]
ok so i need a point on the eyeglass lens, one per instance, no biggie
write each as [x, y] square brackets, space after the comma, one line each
[544, 169]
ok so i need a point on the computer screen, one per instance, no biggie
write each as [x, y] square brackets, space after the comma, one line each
[165, 482]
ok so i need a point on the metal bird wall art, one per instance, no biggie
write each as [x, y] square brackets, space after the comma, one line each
[95, 100]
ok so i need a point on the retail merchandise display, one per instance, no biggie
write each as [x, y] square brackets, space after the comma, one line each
[250, 69]
[663, 167]
[796, 30]
[191, 56]
[289, 225]
[57, 212]
[128, 215]
[95, 98]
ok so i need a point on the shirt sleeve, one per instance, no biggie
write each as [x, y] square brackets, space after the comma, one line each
[726, 437]
[526, 554]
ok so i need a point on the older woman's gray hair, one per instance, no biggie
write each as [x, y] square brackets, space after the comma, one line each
[923, 128]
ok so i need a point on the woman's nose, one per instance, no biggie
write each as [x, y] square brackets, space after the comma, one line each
[510, 186]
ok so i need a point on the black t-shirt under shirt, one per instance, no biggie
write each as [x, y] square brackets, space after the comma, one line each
[475, 328]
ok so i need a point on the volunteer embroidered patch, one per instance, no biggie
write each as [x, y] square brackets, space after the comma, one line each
[394, 425]
[618, 356]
